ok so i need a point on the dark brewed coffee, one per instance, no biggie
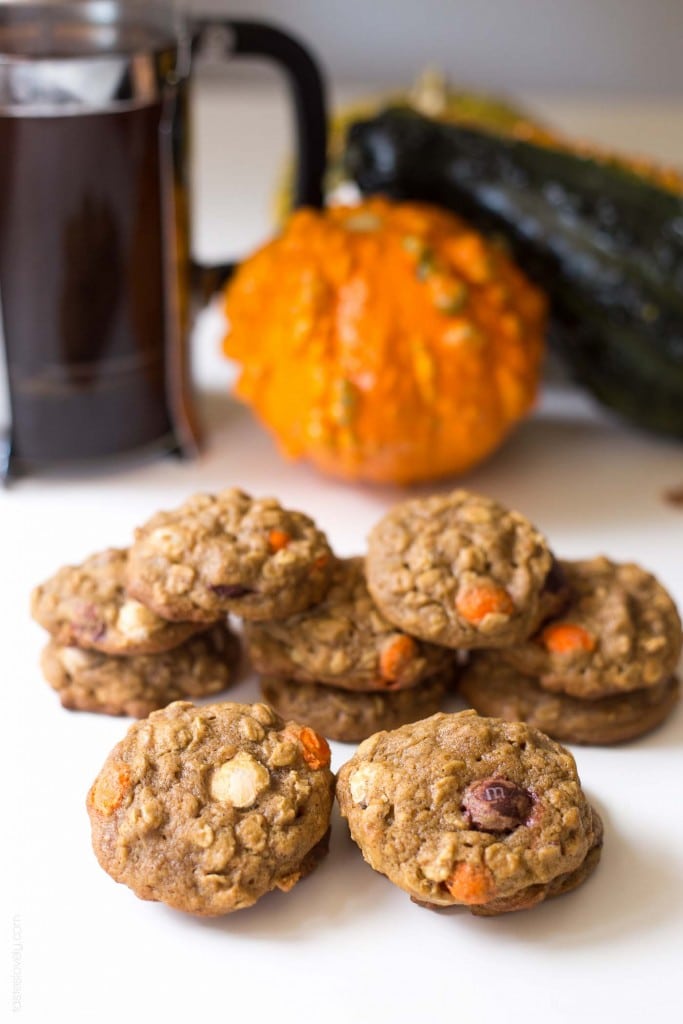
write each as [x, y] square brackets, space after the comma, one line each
[82, 282]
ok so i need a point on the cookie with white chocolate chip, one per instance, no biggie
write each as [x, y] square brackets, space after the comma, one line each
[229, 552]
[460, 570]
[209, 808]
[87, 606]
[458, 809]
[137, 685]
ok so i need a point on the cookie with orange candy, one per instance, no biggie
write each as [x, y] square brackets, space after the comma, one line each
[209, 808]
[462, 810]
[344, 641]
[461, 570]
[620, 633]
[228, 553]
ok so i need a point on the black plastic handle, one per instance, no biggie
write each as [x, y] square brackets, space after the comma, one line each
[255, 38]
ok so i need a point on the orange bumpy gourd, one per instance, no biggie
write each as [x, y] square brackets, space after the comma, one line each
[386, 341]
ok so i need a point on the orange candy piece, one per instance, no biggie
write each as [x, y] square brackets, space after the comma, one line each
[395, 656]
[315, 749]
[277, 540]
[566, 638]
[471, 884]
[476, 602]
[110, 788]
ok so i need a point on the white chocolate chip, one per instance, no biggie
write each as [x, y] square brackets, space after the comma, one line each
[136, 622]
[361, 782]
[73, 659]
[239, 781]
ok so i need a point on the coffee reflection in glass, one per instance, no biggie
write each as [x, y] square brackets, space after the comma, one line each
[94, 235]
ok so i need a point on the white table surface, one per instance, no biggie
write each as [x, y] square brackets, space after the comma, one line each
[345, 945]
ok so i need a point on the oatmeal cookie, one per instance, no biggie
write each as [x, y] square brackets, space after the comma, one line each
[348, 716]
[621, 632]
[459, 570]
[345, 642]
[229, 553]
[458, 809]
[495, 688]
[209, 808]
[87, 605]
[136, 686]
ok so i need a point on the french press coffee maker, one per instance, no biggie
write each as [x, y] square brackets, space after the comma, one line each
[96, 278]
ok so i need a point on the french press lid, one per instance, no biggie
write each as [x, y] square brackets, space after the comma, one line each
[92, 56]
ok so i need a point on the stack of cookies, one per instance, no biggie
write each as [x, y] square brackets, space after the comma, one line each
[585, 651]
[442, 575]
[133, 630]
[209, 808]
[343, 668]
[459, 810]
[600, 672]
[110, 653]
